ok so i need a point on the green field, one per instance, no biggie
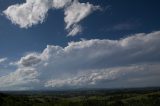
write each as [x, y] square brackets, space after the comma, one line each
[82, 98]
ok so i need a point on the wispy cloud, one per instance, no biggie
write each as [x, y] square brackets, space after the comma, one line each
[2, 60]
[124, 26]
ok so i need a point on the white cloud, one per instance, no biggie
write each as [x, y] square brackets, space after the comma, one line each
[2, 60]
[108, 75]
[61, 3]
[29, 60]
[20, 77]
[33, 12]
[75, 30]
[132, 61]
[27, 14]
[75, 13]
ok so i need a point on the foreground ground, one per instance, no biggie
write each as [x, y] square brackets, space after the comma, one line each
[123, 97]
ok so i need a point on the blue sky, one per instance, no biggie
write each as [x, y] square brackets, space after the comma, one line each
[96, 39]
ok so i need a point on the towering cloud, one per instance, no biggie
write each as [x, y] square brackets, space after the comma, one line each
[33, 12]
[128, 62]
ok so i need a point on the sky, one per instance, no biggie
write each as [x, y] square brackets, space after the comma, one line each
[72, 44]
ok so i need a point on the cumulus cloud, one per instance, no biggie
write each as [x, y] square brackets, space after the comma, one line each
[33, 12]
[131, 61]
[27, 14]
[128, 74]
[75, 13]
[29, 60]
[21, 77]
[61, 3]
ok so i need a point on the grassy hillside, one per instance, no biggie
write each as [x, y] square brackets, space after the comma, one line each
[88, 98]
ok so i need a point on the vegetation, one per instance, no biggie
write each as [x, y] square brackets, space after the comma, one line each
[82, 98]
